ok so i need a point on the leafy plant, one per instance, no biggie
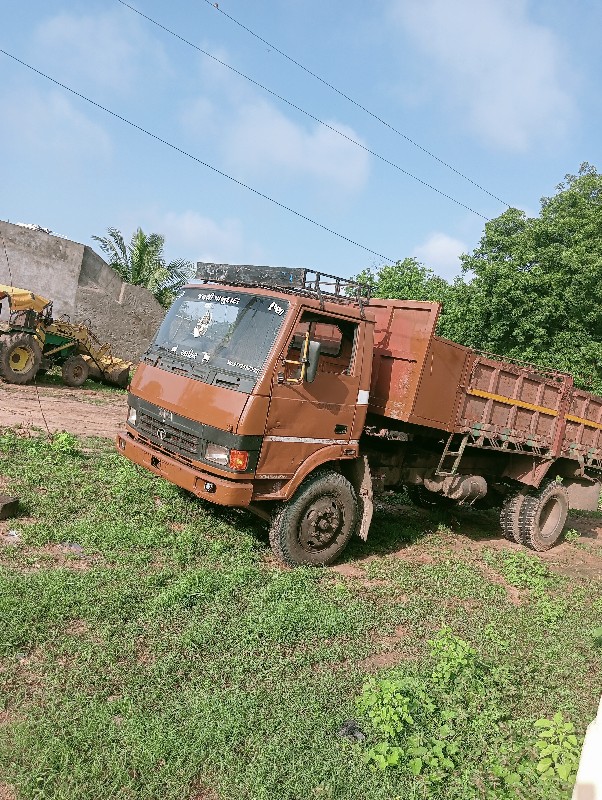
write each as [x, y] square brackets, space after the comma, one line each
[65, 443]
[392, 705]
[571, 535]
[453, 655]
[142, 263]
[558, 748]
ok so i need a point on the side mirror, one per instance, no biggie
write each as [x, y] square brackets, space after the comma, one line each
[313, 356]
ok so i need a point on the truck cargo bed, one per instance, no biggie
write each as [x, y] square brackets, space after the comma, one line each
[426, 380]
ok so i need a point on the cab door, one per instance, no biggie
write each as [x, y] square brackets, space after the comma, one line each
[306, 417]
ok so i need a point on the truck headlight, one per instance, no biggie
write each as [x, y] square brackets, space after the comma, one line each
[217, 453]
[237, 460]
[132, 415]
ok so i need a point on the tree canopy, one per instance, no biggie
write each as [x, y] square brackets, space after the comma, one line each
[142, 263]
[530, 289]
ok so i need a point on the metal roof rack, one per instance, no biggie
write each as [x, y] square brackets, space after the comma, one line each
[296, 280]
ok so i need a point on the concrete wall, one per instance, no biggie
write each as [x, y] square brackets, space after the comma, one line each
[45, 264]
[82, 286]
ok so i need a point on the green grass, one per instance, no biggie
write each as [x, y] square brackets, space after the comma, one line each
[151, 648]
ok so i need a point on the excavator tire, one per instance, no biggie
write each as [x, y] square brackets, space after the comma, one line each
[510, 515]
[542, 516]
[314, 527]
[75, 371]
[20, 357]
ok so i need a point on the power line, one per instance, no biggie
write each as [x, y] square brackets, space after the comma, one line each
[303, 111]
[194, 158]
[216, 7]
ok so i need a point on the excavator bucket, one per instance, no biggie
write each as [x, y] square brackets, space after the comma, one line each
[109, 370]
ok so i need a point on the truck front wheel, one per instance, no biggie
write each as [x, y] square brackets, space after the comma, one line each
[542, 516]
[314, 527]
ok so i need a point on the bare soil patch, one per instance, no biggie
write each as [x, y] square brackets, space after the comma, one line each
[84, 412]
[389, 655]
[7, 792]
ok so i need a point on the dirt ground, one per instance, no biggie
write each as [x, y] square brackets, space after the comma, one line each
[80, 411]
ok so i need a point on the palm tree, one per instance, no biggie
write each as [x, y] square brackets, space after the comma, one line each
[142, 263]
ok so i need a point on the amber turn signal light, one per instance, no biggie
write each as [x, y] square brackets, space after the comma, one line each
[239, 460]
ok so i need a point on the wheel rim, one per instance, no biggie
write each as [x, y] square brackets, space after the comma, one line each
[549, 518]
[321, 525]
[78, 372]
[21, 359]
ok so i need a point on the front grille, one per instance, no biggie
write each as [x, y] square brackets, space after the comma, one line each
[167, 435]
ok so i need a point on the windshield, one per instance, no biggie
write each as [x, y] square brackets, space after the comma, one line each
[220, 334]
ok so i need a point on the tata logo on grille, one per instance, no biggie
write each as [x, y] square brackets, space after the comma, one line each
[162, 434]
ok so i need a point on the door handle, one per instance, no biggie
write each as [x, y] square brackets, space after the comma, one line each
[340, 429]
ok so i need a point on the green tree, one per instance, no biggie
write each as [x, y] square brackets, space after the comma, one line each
[532, 285]
[142, 263]
[406, 280]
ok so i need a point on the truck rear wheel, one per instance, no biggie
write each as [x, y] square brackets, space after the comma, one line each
[315, 526]
[542, 516]
[510, 516]
[20, 358]
[75, 371]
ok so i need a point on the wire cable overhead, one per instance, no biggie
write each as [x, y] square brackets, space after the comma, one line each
[195, 158]
[303, 111]
[215, 7]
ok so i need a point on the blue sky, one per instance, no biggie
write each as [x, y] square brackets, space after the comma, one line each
[506, 91]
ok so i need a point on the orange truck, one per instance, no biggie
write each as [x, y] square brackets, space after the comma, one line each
[294, 395]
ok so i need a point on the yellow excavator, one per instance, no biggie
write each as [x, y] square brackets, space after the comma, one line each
[32, 341]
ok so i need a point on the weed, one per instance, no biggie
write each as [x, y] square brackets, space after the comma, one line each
[525, 571]
[558, 748]
[453, 657]
[571, 535]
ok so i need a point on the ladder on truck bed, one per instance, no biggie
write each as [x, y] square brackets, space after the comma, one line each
[450, 458]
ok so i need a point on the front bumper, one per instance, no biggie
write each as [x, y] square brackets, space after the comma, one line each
[225, 492]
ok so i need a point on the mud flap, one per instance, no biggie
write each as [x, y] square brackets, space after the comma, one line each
[360, 477]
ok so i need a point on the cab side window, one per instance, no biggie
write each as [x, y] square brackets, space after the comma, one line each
[337, 339]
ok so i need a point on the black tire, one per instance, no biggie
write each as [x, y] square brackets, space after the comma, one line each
[20, 358]
[315, 526]
[75, 371]
[542, 516]
[510, 516]
[421, 497]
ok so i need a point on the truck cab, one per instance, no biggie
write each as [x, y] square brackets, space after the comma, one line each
[254, 392]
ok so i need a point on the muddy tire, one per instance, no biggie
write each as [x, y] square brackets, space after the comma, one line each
[315, 526]
[510, 516]
[421, 497]
[20, 358]
[75, 371]
[542, 516]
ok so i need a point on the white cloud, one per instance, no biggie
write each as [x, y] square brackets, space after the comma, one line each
[256, 137]
[499, 68]
[263, 138]
[197, 238]
[49, 125]
[441, 253]
[110, 48]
